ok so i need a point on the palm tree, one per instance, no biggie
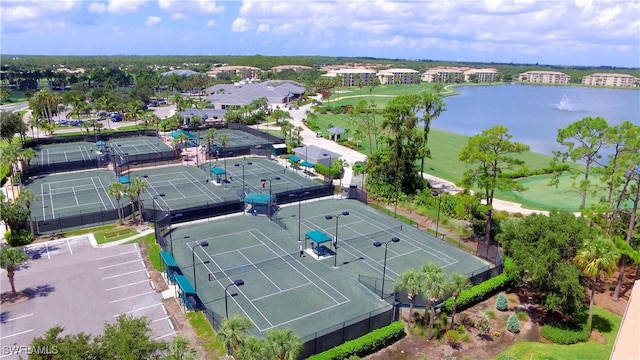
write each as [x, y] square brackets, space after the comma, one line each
[253, 348]
[224, 141]
[210, 136]
[432, 106]
[107, 104]
[116, 190]
[179, 349]
[10, 259]
[130, 192]
[597, 258]
[434, 288]
[138, 186]
[285, 129]
[26, 197]
[410, 281]
[284, 344]
[233, 332]
[134, 112]
[458, 284]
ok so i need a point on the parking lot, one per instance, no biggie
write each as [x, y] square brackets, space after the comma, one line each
[72, 284]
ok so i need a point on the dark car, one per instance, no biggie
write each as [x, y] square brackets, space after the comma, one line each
[116, 118]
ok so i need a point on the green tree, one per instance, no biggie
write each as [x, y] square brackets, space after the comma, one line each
[457, 284]
[138, 186]
[117, 190]
[435, 286]
[597, 258]
[129, 338]
[26, 197]
[410, 281]
[513, 325]
[502, 303]
[542, 248]
[11, 258]
[233, 332]
[68, 347]
[224, 140]
[584, 140]
[431, 107]
[12, 124]
[179, 349]
[285, 345]
[253, 349]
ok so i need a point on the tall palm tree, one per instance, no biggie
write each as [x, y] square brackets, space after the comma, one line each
[434, 288]
[10, 259]
[179, 349]
[130, 192]
[285, 129]
[139, 185]
[233, 332]
[117, 190]
[253, 348]
[284, 344]
[26, 197]
[597, 258]
[410, 281]
[458, 284]
[431, 106]
[224, 141]
[107, 104]
[134, 112]
[210, 136]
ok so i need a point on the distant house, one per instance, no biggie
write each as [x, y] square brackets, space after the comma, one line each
[234, 96]
[207, 116]
[315, 154]
[244, 72]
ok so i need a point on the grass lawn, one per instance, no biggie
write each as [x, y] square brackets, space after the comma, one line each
[109, 235]
[207, 337]
[608, 326]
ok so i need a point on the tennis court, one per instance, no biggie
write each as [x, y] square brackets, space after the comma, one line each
[71, 193]
[137, 145]
[47, 155]
[306, 294]
[236, 138]
[259, 169]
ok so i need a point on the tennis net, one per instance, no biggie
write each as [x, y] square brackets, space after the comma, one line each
[363, 237]
[240, 269]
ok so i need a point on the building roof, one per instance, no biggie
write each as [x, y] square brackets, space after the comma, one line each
[314, 152]
[627, 345]
[203, 113]
[245, 93]
[183, 72]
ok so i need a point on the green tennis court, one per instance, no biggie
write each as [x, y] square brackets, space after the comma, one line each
[236, 138]
[64, 153]
[137, 145]
[307, 294]
[71, 193]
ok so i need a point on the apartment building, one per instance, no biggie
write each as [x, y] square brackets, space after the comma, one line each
[296, 68]
[544, 77]
[444, 74]
[608, 79]
[399, 76]
[482, 75]
[354, 77]
[244, 72]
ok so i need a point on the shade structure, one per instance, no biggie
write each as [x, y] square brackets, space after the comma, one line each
[317, 236]
[294, 158]
[336, 130]
[124, 179]
[176, 134]
[257, 199]
[217, 171]
[307, 164]
[100, 143]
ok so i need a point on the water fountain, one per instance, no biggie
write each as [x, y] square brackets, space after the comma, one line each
[564, 104]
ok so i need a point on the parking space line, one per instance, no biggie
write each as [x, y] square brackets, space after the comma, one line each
[120, 264]
[19, 317]
[125, 285]
[132, 297]
[110, 256]
[142, 308]
[163, 336]
[16, 334]
[127, 273]
[163, 318]
[69, 245]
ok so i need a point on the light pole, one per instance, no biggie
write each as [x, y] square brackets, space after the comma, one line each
[299, 196]
[384, 266]
[243, 165]
[171, 231]
[202, 243]
[270, 180]
[335, 241]
[238, 282]
[225, 165]
[435, 193]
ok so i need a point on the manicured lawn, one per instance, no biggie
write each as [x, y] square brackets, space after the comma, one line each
[153, 250]
[106, 236]
[207, 337]
[608, 326]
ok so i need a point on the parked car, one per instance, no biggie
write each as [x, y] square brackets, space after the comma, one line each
[116, 118]
[76, 122]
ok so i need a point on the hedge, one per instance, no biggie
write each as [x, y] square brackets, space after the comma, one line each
[564, 334]
[523, 173]
[365, 345]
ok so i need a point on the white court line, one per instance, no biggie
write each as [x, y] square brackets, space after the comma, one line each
[265, 275]
[16, 334]
[282, 291]
[200, 186]
[51, 201]
[114, 206]
[132, 297]
[140, 309]
[99, 195]
[125, 285]
[123, 263]
[81, 152]
[127, 273]
[19, 317]
[110, 256]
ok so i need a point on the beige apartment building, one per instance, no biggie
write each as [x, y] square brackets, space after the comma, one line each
[354, 77]
[296, 68]
[399, 76]
[244, 72]
[446, 74]
[483, 75]
[608, 79]
[544, 77]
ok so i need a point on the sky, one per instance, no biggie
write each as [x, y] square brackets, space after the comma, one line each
[549, 32]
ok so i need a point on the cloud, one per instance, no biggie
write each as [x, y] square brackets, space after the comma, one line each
[211, 23]
[124, 6]
[191, 6]
[152, 20]
[177, 16]
[96, 7]
[241, 25]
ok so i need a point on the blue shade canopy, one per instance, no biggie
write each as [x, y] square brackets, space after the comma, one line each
[317, 236]
[185, 285]
[100, 143]
[176, 134]
[168, 259]
[336, 130]
[218, 171]
[294, 158]
[124, 179]
[307, 164]
[257, 199]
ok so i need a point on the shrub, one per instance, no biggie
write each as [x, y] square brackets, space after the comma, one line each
[522, 315]
[490, 314]
[365, 345]
[512, 323]
[483, 325]
[502, 303]
[478, 293]
[564, 333]
[19, 237]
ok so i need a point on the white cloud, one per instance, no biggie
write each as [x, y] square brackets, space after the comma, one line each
[177, 16]
[96, 7]
[191, 6]
[124, 6]
[152, 20]
[241, 25]
[262, 28]
[211, 23]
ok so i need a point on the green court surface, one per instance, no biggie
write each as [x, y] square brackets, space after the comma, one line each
[64, 153]
[307, 294]
[138, 145]
[71, 193]
[236, 138]
[259, 169]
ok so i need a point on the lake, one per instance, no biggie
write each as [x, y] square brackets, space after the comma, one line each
[534, 113]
